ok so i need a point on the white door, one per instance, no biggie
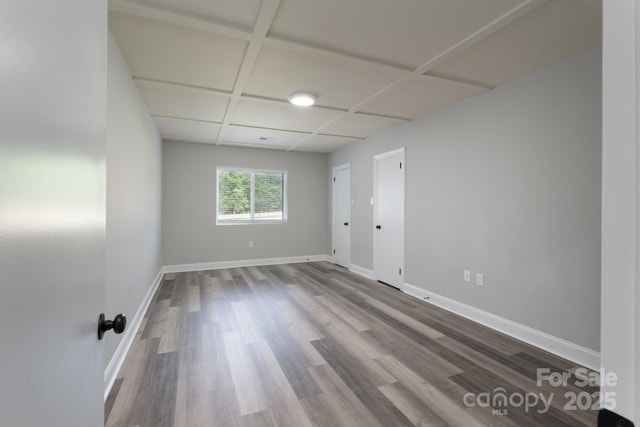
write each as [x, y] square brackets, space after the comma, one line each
[388, 216]
[52, 211]
[341, 215]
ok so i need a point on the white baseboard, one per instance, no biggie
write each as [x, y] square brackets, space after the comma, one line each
[558, 346]
[183, 268]
[114, 365]
[369, 274]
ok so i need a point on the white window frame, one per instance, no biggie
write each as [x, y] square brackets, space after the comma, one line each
[252, 220]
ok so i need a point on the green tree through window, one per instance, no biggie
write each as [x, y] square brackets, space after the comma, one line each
[251, 196]
[234, 192]
[268, 192]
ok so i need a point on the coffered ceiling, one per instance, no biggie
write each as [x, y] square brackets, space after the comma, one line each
[220, 71]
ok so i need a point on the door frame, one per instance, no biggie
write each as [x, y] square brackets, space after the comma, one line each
[335, 169]
[398, 151]
[620, 305]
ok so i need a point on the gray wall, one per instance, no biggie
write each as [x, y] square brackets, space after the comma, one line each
[134, 161]
[506, 184]
[189, 225]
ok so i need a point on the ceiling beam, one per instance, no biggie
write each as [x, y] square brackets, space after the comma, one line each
[177, 19]
[327, 53]
[222, 93]
[266, 15]
[186, 119]
[447, 78]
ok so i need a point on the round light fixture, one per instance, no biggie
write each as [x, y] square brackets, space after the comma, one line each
[302, 99]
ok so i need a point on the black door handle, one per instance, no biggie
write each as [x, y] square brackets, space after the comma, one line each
[117, 324]
[378, 227]
[346, 223]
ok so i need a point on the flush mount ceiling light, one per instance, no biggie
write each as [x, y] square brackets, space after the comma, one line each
[302, 99]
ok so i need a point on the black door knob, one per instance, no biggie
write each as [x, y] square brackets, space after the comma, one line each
[378, 227]
[118, 324]
[346, 223]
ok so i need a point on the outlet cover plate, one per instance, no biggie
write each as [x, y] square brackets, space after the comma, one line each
[467, 276]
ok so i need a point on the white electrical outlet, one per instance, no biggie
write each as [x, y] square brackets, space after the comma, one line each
[250, 243]
[479, 279]
[467, 276]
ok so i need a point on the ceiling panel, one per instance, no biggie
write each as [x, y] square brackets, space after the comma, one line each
[162, 51]
[544, 36]
[187, 130]
[325, 143]
[183, 102]
[405, 32]
[241, 13]
[337, 83]
[359, 125]
[415, 97]
[260, 136]
[276, 115]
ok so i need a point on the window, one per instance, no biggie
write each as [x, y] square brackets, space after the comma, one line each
[248, 196]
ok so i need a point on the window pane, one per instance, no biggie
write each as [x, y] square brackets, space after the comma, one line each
[269, 196]
[251, 196]
[234, 192]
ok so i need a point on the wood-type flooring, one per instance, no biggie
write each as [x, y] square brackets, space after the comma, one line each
[313, 344]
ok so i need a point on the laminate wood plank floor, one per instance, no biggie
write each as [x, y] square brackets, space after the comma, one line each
[313, 344]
